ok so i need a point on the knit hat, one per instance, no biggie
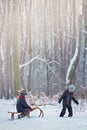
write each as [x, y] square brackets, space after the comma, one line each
[23, 92]
[72, 88]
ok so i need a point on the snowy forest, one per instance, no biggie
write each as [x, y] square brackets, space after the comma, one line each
[38, 41]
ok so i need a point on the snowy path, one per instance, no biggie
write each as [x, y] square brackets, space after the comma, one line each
[51, 121]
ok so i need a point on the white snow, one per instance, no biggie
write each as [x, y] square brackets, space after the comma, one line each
[51, 120]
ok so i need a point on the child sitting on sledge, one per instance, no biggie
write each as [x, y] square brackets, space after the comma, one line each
[22, 106]
[67, 97]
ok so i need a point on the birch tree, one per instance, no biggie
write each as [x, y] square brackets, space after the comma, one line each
[73, 63]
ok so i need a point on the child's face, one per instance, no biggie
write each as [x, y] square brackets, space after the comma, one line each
[71, 92]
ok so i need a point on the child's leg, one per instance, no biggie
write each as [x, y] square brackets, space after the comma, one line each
[24, 113]
[63, 111]
[27, 113]
[70, 111]
[21, 115]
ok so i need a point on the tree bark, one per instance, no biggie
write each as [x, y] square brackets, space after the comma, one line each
[75, 59]
[16, 46]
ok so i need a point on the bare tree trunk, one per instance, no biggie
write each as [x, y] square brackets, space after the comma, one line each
[85, 41]
[75, 59]
[16, 47]
[30, 46]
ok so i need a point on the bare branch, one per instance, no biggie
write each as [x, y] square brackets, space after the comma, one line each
[85, 31]
[85, 48]
[23, 65]
[43, 60]
[23, 49]
[70, 36]
[83, 87]
[64, 35]
[85, 2]
[54, 62]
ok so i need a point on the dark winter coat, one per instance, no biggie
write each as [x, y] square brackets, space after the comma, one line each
[67, 97]
[22, 105]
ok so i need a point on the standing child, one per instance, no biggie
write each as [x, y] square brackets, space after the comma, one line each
[22, 105]
[67, 97]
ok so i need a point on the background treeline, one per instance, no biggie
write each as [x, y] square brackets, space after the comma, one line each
[37, 41]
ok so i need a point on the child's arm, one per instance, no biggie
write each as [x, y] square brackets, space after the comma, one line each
[61, 98]
[73, 98]
[24, 103]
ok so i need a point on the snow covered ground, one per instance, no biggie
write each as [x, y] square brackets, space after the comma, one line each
[51, 120]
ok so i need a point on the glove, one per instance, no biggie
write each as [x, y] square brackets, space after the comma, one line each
[77, 103]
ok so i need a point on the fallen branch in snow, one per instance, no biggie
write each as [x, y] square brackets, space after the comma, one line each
[42, 99]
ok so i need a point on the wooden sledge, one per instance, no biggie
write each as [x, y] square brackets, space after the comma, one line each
[35, 108]
[41, 114]
[12, 114]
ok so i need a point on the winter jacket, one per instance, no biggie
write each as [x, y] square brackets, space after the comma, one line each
[22, 105]
[67, 97]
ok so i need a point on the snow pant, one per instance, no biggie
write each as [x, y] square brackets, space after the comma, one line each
[24, 113]
[64, 110]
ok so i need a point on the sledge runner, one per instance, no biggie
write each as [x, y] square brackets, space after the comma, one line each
[67, 97]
